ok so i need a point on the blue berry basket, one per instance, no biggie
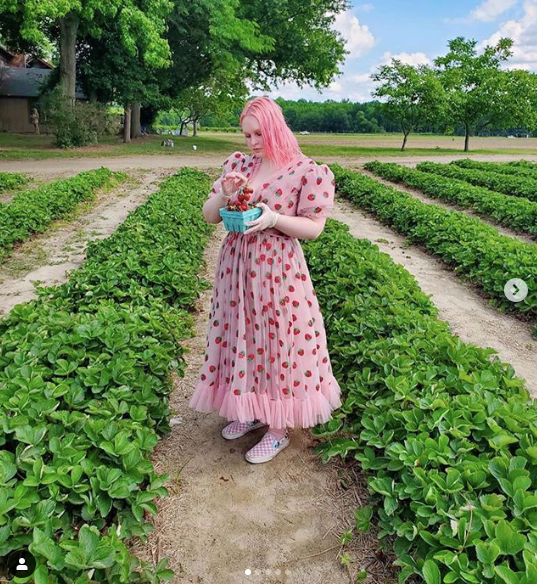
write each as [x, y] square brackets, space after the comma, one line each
[235, 220]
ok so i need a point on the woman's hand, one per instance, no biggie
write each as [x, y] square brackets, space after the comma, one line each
[267, 220]
[232, 182]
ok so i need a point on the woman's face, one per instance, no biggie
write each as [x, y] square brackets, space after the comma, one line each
[252, 134]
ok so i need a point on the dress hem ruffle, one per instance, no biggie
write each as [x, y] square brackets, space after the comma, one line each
[279, 413]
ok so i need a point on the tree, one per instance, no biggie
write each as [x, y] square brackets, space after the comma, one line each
[414, 94]
[35, 23]
[476, 87]
[214, 96]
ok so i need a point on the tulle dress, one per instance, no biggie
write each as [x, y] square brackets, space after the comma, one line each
[266, 355]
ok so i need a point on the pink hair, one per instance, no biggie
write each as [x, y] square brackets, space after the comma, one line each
[280, 144]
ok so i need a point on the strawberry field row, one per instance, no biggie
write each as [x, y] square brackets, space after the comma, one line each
[33, 211]
[470, 247]
[513, 212]
[516, 186]
[447, 435]
[11, 180]
[520, 168]
[85, 374]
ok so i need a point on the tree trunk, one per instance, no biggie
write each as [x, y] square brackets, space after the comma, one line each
[127, 124]
[68, 32]
[136, 126]
[467, 139]
[404, 140]
[195, 127]
[181, 129]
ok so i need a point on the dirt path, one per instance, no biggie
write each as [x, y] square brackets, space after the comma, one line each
[469, 316]
[73, 165]
[50, 256]
[431, 201]
[282, 520]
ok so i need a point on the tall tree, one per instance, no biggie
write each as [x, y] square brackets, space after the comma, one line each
[476, 86]
[414, 95]
[214, 96]
[66, 20]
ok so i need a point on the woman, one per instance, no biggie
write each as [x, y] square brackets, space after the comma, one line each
[266, 361]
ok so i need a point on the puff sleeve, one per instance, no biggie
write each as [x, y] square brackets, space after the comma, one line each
[317, 191]
[231, 164]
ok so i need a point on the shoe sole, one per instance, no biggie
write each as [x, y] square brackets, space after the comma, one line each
[233, 436]
[268, 457]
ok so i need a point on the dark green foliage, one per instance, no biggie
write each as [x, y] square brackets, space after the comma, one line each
[84, 386]
[445, 434]
[473, 249]
[514, 212]
[33, 211]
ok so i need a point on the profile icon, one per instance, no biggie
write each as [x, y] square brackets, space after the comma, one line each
[21, 563]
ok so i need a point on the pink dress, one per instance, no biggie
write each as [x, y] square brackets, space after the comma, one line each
[266, 355]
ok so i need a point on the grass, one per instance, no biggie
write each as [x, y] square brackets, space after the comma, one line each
[31, 147]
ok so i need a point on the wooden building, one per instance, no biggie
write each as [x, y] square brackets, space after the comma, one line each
[21, 79]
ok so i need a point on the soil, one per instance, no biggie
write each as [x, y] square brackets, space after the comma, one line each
[49, 257]
[469, 315]
[152, 162]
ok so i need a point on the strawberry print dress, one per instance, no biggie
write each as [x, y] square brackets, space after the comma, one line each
[266, 356]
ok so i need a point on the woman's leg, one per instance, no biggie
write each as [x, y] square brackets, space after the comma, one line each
[278, 433]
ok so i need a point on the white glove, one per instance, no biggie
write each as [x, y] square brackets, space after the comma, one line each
[267, 220]
[232, 182]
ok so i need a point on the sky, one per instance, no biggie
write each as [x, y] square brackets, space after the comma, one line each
[417, 31]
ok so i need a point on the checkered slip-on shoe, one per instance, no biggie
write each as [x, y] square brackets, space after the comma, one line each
[267, 448]
[238, 429]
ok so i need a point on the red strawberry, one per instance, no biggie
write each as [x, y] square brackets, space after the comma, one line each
[308, 337]
[296, 383]
[319, 180]
[237, 391]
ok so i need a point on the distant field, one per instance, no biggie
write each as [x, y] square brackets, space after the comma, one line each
[24, 146]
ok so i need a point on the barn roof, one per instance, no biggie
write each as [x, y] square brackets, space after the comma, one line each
[25, 82]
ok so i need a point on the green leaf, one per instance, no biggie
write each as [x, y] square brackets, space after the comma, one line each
[431, 573]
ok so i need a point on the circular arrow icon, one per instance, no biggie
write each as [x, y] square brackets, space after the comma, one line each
[515, 290]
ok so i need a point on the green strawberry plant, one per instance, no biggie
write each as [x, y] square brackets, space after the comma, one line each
[514, 212]
[474, 250]
[513, 185]
[444, 431]
[85, 377]
[33, 211]
[12, 180]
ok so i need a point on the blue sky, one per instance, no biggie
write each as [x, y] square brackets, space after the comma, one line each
[417, 31]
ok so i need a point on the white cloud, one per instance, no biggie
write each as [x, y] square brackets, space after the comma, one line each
[524, 35]
[408, 58]
[491, 9]
[359, 39]
[335, 86]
